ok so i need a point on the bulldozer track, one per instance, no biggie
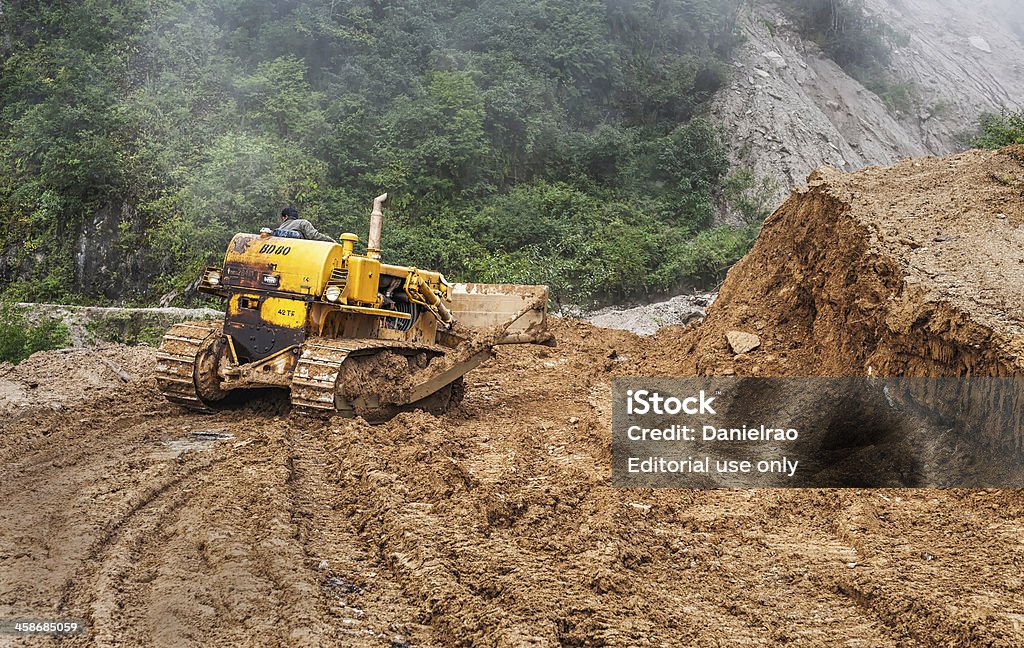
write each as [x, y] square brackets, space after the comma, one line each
[314, 383]
[176, 375]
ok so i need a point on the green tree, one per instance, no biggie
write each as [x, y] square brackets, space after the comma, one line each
[996, 130]
[19, 338]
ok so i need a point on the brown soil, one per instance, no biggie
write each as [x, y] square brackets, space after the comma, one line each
[916, 269]
[495, 524]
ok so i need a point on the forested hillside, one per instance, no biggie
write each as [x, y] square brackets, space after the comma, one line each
[554, 141]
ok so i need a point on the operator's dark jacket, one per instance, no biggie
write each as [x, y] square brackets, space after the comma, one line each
[304, 227]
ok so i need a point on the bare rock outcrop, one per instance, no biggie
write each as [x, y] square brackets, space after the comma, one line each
[789, 109]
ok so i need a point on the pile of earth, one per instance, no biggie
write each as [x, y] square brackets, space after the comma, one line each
[65, 378]
[915, 269]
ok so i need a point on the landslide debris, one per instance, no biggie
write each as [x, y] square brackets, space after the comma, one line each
[915, 269]
[648, 318]
[495, 524]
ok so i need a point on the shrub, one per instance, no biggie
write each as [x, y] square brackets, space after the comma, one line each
[749, 196]
[996, 130]
[19, 339]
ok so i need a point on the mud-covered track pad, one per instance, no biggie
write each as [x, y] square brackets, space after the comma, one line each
[314, 384]
[176, 361]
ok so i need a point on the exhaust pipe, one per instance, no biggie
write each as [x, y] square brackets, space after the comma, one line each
[376, 224]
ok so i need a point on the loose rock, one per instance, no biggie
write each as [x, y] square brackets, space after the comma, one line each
[742, 342]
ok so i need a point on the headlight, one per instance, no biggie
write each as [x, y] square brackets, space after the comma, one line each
[213, 278]
[332, 293]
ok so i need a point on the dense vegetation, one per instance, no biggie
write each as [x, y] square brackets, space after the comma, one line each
[20, 338]
[554, 141]
[858, 42]
[996, 130]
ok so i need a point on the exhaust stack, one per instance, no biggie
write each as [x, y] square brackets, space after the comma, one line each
[376, 224]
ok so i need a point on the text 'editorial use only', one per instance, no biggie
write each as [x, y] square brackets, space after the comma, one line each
[817, 432]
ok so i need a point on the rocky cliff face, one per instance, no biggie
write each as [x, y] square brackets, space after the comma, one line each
[790, 109]
[104, 264]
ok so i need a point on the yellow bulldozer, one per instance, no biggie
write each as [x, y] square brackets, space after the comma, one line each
[343, 332]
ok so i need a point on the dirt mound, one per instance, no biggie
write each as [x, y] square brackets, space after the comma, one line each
[913, 270]
[917, 269]
[62, 379]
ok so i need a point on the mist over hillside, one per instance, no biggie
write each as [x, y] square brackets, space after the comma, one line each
[542, 142]
[591, 146]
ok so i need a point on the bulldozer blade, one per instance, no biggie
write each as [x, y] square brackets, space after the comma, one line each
[523, 308]
[451, 374]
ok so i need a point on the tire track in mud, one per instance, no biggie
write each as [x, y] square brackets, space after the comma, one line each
[614, 591]
[492, 525]
[208, 557]
[510, 535]
[54, 506]
[99, 591]
[230, 554]
[912, 579]
[211, 546]
[373, 494]
[363, 604]
[118, 491]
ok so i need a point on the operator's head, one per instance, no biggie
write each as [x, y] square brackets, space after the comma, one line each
[288, 213]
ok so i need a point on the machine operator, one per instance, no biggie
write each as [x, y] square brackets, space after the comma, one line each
[290, 222]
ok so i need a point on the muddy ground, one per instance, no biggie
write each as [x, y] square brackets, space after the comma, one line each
[496, 524]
